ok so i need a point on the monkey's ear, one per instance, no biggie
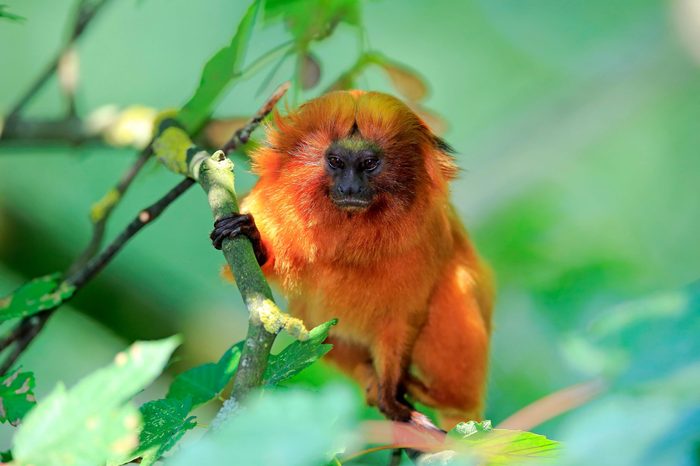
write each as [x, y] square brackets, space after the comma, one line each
[444, 154]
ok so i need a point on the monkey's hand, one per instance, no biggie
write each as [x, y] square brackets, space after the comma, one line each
[235, 225]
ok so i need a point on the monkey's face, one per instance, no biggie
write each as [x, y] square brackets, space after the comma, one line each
[353, 165]
[352, 152]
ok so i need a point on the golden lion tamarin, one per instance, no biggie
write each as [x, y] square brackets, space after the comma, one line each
[351, 217]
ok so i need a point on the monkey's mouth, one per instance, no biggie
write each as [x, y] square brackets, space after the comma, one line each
[352, 204]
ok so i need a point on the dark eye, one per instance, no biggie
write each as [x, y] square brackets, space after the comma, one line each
[335, 162]
[370, 164]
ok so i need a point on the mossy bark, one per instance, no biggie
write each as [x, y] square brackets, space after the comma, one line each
[214, 173]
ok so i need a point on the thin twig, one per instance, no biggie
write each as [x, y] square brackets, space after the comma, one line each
[26, 330]
[102, 210]
[242, 135]
[146, 216]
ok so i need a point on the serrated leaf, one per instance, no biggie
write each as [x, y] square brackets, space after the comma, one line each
[218, 73]
[91, 423]
[16, 396]
[503, 446]
[38, 295]
[203, 383]
[298, 356]
[165, 421]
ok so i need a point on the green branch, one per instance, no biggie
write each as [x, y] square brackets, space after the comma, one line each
[214, 173]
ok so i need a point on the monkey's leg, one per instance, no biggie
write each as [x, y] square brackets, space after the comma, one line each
[451, 352]
[239, 224]
[355, 361]
[390, 356]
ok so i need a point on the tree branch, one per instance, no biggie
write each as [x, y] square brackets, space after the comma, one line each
[111, 128]
[214, 173]
[87, 266]
[101, 210]
[70, 130]
[25, 332]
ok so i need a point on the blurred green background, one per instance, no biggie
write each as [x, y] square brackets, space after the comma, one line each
[576, 126]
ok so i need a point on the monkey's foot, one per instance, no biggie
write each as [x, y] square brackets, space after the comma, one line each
[395, 410]
[235, 225]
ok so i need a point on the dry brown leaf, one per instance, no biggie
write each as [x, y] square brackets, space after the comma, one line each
[218, 132]
[310, 73]
[406, 81]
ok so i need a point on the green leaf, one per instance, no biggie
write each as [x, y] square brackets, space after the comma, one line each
[218, 73]
[16, 396]
[298, 356]
[10, 16]
[6, 456]
[38, 295]
[203, 383]
[90, 424]
[165, 421]
[291, 428]
[502, 446]
[309, 20]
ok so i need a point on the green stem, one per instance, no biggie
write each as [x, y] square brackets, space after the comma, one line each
[214, 173]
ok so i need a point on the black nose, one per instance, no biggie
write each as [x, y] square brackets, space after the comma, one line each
[348, 189]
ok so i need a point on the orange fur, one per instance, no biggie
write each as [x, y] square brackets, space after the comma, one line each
[412, 297]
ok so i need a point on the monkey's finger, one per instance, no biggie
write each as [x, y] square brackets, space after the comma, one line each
[220, 235]
[228, 222]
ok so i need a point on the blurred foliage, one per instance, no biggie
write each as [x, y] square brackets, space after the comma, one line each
[93, 422]
[4, 14]
[297, 428]
[575, 124]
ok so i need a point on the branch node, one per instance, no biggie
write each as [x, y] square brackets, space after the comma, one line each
[219, 156]
[171, 148]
